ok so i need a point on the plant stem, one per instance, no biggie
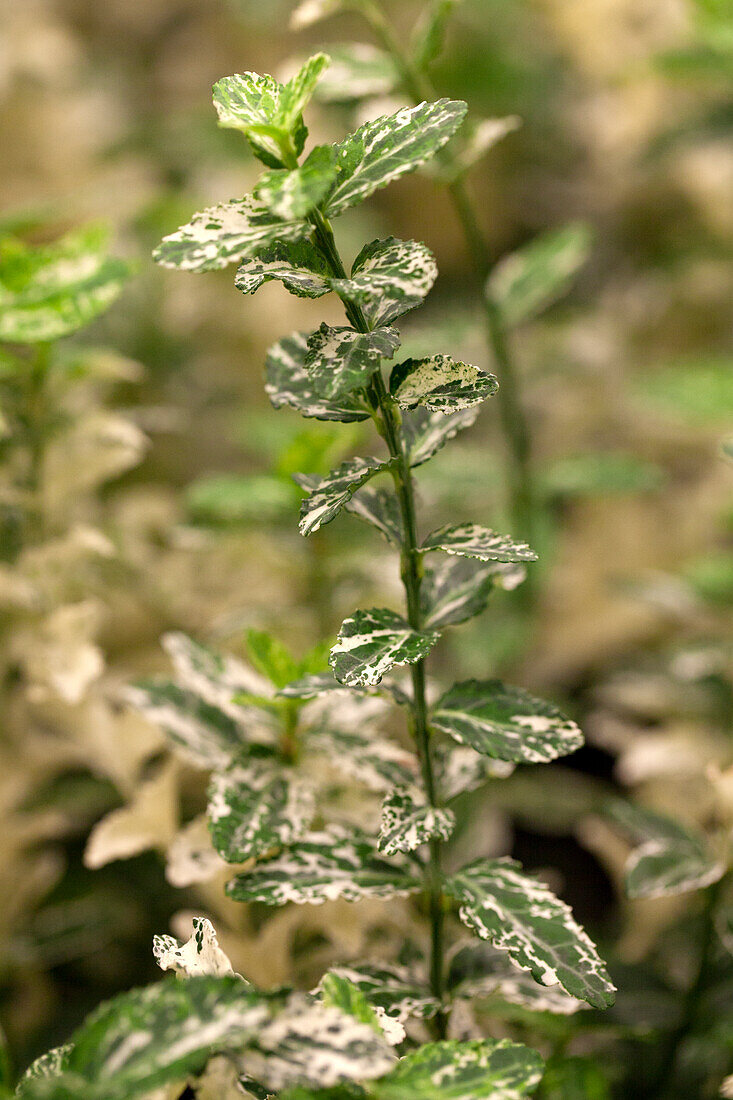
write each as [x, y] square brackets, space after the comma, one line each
[511, 409]
[388, 419]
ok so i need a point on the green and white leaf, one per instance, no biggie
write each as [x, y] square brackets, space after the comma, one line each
[518, 914]
[470, 540]
[338, 992]
[378, 507]
[295, 194]
[200, 954]
[217, 678]
[372, 760]
[391, 989]
[456, 589]
[326, 499]
[298, 91]
[440, 383]
[389, 277]
[532, 278]
[255, 807]
[425, 433]
[389, 147]
[371, 642]
[340, 360]
[479, 971]
[335, 863]
[298, 265]
[452, 1070]
[357, 71]
[288, 383]
[49, 1065]
[408, 821]
[461, 769]
[505, 722]
[667, 859]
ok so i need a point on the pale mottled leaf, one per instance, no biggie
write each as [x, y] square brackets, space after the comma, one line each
[217, 678]
[456, 589]
[371, 642]
[470, 540]
[357, 71]
[224, 234]
[340, 360]
[440, 383]
[505, 722]
[409, 821]
[478, 970]
[461, 769]
[530, 279]
[200, 954]
[372, 760]
[452, 1070]
[326, 499]
[519, 914]
[389, 277]
[49, 1065]
[295, 194]
[255, 807]
[337, 991]
[288, 384]
[298, 265]
[378, 507]
[335, 863]
[668, 858]
[387, 148]
[425, 433]
[391, 988]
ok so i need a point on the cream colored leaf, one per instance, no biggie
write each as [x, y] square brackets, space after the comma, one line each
[148, 821]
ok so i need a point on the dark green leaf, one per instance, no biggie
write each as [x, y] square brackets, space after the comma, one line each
[295, 194]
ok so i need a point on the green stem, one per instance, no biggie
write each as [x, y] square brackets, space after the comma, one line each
[511, 409]
[388, 419]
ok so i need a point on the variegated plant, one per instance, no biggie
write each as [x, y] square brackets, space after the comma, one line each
[270, 746]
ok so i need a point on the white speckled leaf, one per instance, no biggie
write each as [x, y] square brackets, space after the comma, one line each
[298, 91]
[335, 863]
[470, 540]
[288, 384]
[668, 858]
[225, 234]
[456, 589]
[51, 1064]
[505, 722]
[326, 499]
[298, 265]
[478, 970]
[389, 277]
[217, 678]
[390, 988]
[340, 360]
[476, 1070]
[357, 71]
[371, 642]
[387, 148]
[425, 433]
[440, 383]
[294, 194]
[527, 281]
[200, 954]
[337, 991]
[409, 821]
[461, 769]
[255, 807]
[372, 760]
[519, 914]
[379, 508]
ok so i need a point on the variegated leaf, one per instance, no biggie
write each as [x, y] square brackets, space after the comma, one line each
[478, 970]
[440, 383]
[371, 642]
[200, 954]
[461, 769]
[372, 760]
[317, 1046]
[391, 988]
[408, 821]
[668, 858]
[456, 589]
[505, 722]
[335, 863]
[425, 433]
[288, 384]
[389, 277]
[357, 71]
[378, 507]
[225, 234]
[519, 914]
[49, 1065]
[527, 281]
[217, 678]
[387, 148]
[340, 360]
[473, 1070]
[337, 991]
[298, 265]
[255, 807]
[326, 499]
[470, 540]
[295, 194]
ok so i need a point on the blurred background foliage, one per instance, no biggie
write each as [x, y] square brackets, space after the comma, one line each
[167, 500]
